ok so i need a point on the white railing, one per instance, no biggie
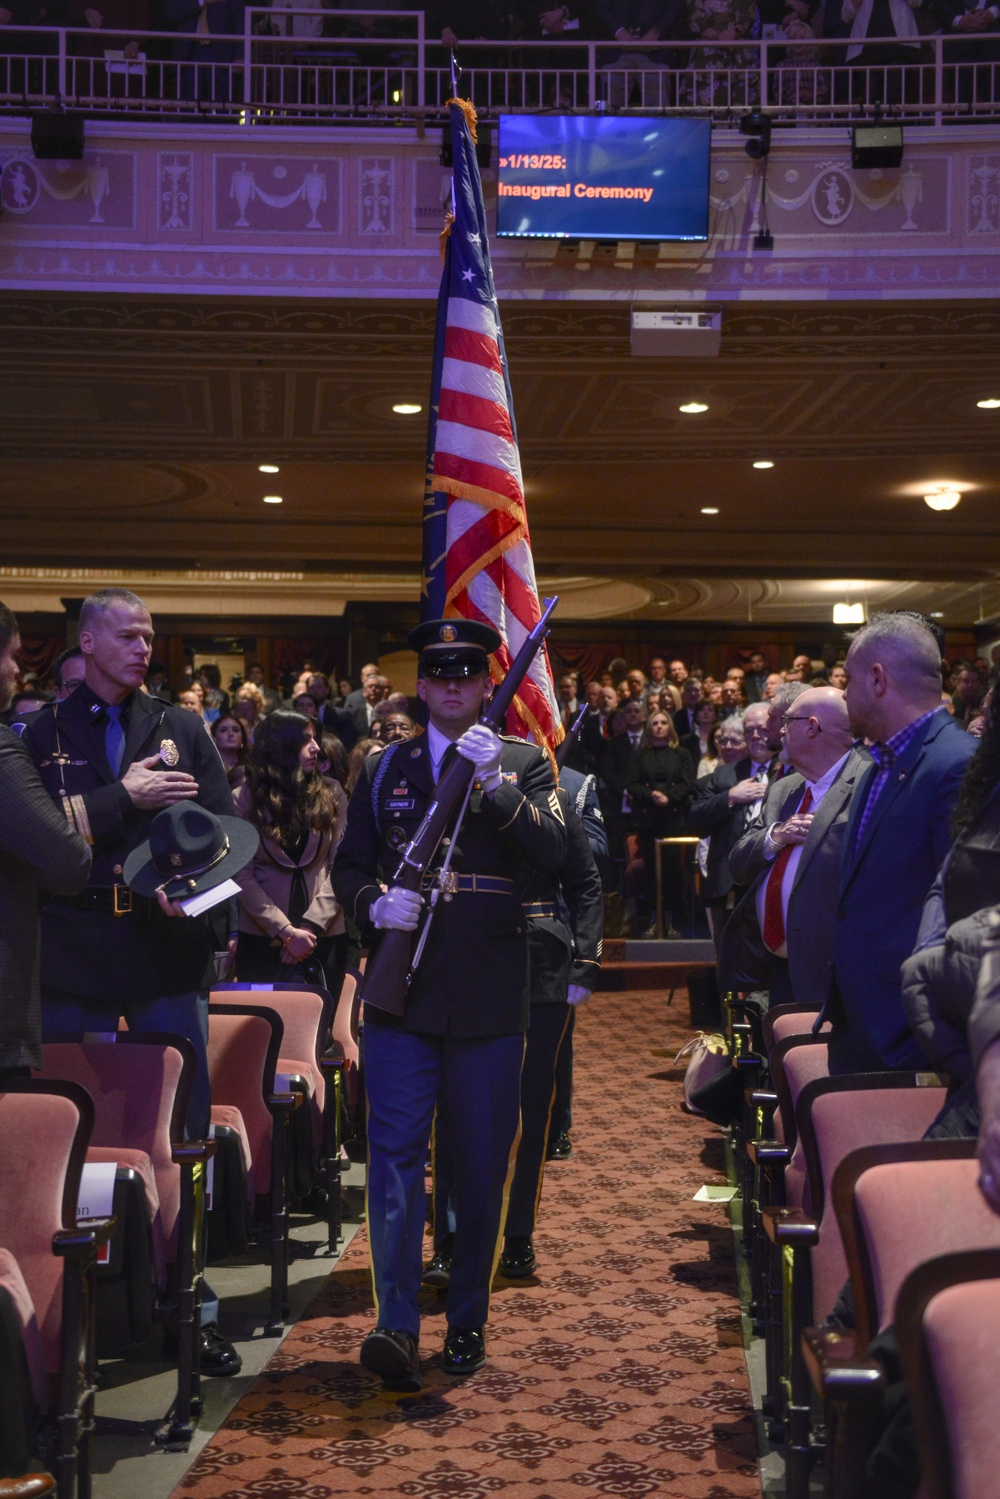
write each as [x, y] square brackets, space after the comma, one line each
[271, 75]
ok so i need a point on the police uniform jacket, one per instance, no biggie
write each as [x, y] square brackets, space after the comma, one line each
[565, 912]
[92, 952]
[473, 975]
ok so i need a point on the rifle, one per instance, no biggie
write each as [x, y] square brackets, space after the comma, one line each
[572, 735]
[391, 969]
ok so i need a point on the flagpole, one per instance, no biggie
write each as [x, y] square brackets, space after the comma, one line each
[456, 73]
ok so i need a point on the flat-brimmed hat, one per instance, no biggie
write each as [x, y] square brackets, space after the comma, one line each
[453, 647]
[189, 850]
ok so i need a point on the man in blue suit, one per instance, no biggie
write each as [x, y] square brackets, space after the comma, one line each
[897, 836]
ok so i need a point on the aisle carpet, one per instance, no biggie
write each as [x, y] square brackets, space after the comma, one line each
[618, 1370]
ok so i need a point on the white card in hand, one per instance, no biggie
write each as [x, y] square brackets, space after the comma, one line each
[195, 905]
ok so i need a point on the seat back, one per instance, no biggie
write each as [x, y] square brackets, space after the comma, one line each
[306, 1015]
[244, 1042]
[794, 1062]
[140, 1085]
[900, 1204]
[948, 1327]
[787, 1020]
[45, 1128]
[836, 1115]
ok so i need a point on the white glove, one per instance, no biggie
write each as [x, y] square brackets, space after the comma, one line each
[577, 994]
[480, 745]
[397, 909]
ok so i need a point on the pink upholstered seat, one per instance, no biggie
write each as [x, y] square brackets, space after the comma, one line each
[840, 1122]
[136, 1085]
[13, 1283]
[307, 1018]
[39, 1132]
[962, 1333]
[909, 1211]
[242, 1064]
[800, 1064]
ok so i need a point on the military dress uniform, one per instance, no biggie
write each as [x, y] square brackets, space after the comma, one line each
[107, 952]
[462, 1034]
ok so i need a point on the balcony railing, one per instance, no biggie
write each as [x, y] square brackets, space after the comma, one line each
[271, 75]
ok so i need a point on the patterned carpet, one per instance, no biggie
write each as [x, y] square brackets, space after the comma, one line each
[618, 1370]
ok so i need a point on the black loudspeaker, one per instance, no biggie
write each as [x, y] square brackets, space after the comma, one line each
[876, 145]
[57, 137]
[484, 146]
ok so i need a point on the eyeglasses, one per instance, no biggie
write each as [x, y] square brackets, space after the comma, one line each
[802, 718]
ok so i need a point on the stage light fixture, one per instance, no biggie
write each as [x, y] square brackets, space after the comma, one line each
[877, 145]
[757, 125]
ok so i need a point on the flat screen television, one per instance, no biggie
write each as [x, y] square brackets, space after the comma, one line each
[603, 177]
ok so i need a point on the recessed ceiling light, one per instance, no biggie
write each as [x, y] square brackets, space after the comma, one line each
[990, 404]
[763, 463]
[709, 509]
[273, 499]
[407, 408]
[692, 408]
[943, 498]
[267, 468]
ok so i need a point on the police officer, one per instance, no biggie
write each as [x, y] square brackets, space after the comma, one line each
[112, 757]
[462, 1034]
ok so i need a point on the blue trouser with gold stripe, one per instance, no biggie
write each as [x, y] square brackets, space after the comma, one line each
[478, 1082]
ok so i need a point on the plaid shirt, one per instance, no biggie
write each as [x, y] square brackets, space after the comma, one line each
[885, 757]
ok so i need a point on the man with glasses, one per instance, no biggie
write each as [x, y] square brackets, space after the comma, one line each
[780, 935]
[68, 671]
[723, 799]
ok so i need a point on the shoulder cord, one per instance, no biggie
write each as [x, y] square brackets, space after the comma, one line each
[581, 795]
[377, 780]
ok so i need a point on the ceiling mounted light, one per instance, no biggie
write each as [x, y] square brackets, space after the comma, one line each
[763, 463]
[991, 403]
[267, 468]
[692, 408]
[709, 509]
[848, 614]
[273, 499]
[937, 614]
[407, 408]
[943, 498]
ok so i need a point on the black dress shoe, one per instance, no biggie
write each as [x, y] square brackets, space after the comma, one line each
[560, 1148]
[518, 1258]
[464, 1350]
[437, 1271]
[217, 1356]
[393, 1356]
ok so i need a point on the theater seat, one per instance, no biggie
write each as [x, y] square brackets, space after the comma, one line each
[45, 1127]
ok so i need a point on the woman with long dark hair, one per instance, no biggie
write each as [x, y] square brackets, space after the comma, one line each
[290, 920]
[233, 743]
[660, 784]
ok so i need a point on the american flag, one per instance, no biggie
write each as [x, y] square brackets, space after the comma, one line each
[477, 552]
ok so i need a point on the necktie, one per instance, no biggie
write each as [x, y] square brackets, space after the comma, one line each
[114, 737]
[774, 914]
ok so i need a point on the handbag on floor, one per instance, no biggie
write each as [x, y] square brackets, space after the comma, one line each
[708, 1058]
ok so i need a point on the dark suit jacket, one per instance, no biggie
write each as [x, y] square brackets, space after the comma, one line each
[473, 976]
[670, 771]
[812, 905]
[684, 722]
[39, 849]
[710, 816]
[339, 722]
[883, 885]
[223, 20]
[565, 949]
[93, 953]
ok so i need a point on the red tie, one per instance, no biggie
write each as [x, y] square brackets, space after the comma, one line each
[774, 914]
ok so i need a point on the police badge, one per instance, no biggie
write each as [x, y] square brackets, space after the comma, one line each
[169, 753]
